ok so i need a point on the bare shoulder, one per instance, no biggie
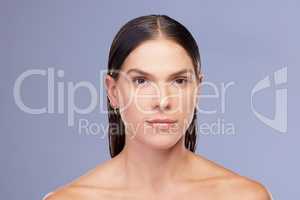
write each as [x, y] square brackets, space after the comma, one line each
[87, 186]
[230, 185]
[64, 193]
[240, 187]
[75, 191]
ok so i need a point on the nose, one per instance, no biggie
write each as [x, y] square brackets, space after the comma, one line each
[164, 101]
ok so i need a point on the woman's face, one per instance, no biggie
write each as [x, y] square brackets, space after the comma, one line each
[157, 81]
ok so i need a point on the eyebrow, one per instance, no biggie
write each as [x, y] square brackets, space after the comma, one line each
[150, 75]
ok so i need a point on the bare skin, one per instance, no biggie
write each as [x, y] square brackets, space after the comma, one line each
[202, 179]
[156, 166]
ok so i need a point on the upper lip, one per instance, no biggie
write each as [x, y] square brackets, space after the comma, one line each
[161, 120]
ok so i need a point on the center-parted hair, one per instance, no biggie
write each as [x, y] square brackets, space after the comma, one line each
[129, 37]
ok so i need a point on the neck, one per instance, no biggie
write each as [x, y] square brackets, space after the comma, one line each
[152, 168]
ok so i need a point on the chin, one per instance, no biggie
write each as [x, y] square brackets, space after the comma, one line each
[161, 140]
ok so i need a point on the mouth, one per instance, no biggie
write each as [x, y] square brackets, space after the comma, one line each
[162, 123]
[162, 120]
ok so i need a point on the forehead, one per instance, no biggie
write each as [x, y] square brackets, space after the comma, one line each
[158, 57]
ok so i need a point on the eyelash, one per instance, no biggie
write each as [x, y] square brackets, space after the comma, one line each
[185, 80]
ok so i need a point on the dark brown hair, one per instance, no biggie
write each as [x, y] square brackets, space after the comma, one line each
[132, 34]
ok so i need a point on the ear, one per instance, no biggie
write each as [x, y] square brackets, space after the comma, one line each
[200, 79]
[199, 84]
[111, 90]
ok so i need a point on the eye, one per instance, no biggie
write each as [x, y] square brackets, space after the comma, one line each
[139, 80]
[181, 81]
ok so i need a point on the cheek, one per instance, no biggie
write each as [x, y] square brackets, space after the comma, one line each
[187, 101]
[133, 121]
[131, 112]
[187, 105]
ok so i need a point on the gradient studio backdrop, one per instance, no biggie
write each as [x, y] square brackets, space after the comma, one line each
[248, 51]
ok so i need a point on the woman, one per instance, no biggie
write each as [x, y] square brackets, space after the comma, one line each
[153, 82]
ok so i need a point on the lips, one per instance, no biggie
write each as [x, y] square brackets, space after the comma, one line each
[162, 121]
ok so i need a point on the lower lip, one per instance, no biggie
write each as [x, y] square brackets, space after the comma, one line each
[161, 125]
